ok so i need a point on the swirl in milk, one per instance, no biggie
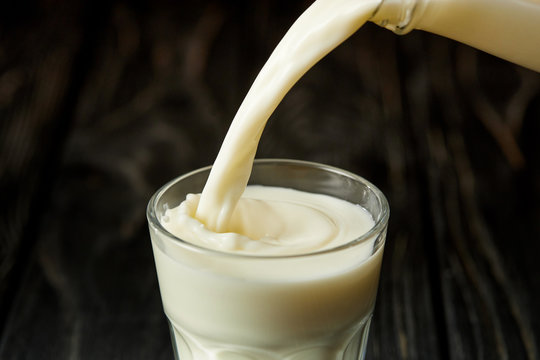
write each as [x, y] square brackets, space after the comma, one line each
[274, 221]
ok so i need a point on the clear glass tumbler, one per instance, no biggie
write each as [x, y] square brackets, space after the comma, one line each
[315, 306]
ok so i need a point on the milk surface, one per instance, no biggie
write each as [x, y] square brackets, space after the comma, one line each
[274, 221]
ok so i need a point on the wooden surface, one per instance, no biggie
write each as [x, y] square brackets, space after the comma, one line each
[101, 102]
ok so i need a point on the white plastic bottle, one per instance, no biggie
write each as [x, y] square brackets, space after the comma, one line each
[509, 29]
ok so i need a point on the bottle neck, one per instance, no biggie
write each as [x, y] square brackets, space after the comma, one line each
[509, 29]
[399, 16]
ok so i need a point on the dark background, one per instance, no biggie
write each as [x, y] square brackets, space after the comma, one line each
[101, 102]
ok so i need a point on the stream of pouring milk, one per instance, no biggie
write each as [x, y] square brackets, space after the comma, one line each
[321, 28]
[506, 28]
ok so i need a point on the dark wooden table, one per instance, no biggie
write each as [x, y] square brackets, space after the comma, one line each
[101, 102]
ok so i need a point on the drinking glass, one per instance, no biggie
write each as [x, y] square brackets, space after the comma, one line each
[229, 306]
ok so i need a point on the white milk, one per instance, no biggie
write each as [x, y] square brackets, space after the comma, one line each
[227, 306]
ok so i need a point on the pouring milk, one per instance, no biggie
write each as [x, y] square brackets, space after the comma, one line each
[506, 28]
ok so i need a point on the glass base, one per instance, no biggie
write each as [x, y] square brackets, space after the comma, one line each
[187, 347]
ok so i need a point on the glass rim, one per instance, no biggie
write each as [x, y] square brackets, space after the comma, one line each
[375, 229]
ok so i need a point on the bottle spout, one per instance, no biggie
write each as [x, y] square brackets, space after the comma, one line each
[396, 15]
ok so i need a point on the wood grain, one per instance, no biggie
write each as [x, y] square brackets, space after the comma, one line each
[101, 103]
[36, 76]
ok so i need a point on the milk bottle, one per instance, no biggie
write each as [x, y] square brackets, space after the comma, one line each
[509, 29]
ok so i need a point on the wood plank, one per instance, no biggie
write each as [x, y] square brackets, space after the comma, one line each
[408, 113]
[38, 48]
[481, 186]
